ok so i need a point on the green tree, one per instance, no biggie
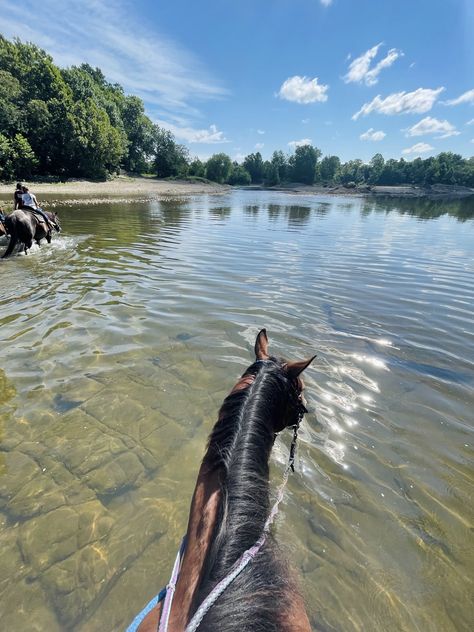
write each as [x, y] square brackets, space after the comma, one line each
[239, 175]
[170, 159]
[272, 176]
[218, 168]
[253, 163]
[329, 168]
[376, 168]
[11, 119]
[97, 145]
[140, 135]
[6, 162]
[23, 157]
[303, 163]
[281, 163]
[197, 168]
[17, 159]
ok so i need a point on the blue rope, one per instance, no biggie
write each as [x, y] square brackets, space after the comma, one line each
[133, 627]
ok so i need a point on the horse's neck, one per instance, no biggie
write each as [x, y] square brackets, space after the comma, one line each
[201, 523]
[246, 495]
[232, 487]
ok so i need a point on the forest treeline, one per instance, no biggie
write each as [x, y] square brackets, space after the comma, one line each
[72, 122]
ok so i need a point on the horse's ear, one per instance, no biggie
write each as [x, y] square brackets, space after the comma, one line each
[261, 345]
[294, 369]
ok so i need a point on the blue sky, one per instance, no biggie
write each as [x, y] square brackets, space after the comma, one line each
[353, 77]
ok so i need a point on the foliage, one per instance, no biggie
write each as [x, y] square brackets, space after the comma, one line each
[17, 159]
[253, 163]
[170, 159]
[280, 161]
[197, 168]
[272, 176]
[329, 168]
[76, 123]
[218, 168]
[239, 175]
[303, 164]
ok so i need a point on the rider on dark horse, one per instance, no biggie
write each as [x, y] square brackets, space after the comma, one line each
[30, 203]
[18, 197]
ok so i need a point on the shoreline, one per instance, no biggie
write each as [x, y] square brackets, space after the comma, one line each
[439, 192]
[122, 189]
[125, 189]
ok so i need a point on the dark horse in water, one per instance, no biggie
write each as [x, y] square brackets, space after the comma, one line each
[230, 512]
[25, 226]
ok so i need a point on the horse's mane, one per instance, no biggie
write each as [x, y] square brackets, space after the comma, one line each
[239, 449]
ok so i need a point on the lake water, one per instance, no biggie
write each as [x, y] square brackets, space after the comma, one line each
[121, 339]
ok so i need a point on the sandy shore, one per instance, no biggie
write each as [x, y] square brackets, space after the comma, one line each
[127, 189]
[121, 189]
[435, 192]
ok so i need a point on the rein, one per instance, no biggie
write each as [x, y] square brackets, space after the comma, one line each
[246, 557]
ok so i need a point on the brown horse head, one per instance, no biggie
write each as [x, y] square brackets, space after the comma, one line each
[291, 370]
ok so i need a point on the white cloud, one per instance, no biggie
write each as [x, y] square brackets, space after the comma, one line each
[305, 121]
[471, 122]
[259, 146]
[430, 125]
[145, 62]
[211, 136]
[299, 143]
[326, 3]
[417, 102]
[419, 148]
[371, 134]
[260, 131]
[472, 140]
[303, 90]
[467, 97]
[360, 70]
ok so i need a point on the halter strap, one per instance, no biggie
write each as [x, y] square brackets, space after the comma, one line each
[170, 588]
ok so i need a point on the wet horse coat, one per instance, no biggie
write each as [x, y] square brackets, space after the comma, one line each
[230, 506]
[24, 227]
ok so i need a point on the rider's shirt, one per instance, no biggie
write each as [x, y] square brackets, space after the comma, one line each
[29, 199]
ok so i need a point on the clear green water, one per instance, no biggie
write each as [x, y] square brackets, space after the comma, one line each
[119, 341]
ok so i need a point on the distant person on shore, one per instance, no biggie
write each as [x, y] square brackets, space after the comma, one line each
[30, 203]
[18, 196]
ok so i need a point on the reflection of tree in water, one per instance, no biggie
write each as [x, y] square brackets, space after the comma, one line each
[323, 209]
[172, 211]
[220, 212]
[123, 224]
[274, 211]
[423, 208]
[298, 215]
[251, 209]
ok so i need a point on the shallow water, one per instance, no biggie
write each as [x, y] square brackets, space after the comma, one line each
[119, 342]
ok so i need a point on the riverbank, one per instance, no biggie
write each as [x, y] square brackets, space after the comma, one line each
[121, 189]
[435, 192]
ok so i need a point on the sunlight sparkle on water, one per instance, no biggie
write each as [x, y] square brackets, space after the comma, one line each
[375, 362]
[384, 342]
